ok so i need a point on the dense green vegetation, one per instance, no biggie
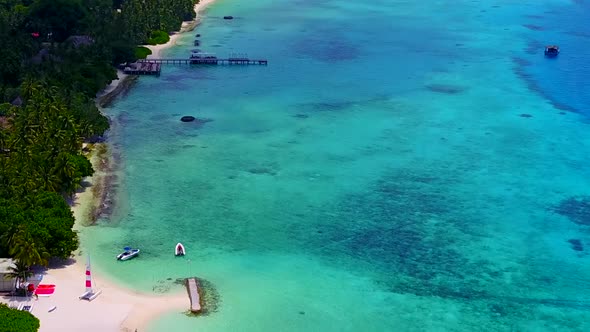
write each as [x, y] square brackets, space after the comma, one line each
[17, 320]
[141, 17]
[142, 52]
[57, 55]
[158, 37]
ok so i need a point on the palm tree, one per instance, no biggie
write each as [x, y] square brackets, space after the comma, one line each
[24, 249]
[20, 272]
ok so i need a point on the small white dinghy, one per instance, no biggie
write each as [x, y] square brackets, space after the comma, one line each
[179, 250]
[128, 253]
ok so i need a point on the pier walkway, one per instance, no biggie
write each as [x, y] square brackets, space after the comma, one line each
[193, 293]
[154, 66]
[207, 61]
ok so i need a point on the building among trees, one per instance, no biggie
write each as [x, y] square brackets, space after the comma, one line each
[7, 282]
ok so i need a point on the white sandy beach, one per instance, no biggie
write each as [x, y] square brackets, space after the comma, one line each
[115, 309]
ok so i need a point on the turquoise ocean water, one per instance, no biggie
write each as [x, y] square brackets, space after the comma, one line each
[398, 166]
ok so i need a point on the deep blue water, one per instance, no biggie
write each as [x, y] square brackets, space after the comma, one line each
[564, 80]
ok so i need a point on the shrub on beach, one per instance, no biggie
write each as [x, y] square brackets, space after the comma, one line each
[158, 37]
[142, 52]
[17, 320]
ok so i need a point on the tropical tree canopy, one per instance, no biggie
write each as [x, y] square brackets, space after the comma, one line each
[17, 320]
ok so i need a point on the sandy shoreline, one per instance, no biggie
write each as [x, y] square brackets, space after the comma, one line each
[116, 308]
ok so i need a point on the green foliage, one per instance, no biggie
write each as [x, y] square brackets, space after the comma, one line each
[141, 17]
[17, 45]
[4, 109]
[158, 37]
[114, 35]
[86, 77]
[45, 142]
[8, 217]
[37, 228]
[17, 320]
[62, 18]
[123, 51]
[92, 122]
[142, 52]
[51, 220]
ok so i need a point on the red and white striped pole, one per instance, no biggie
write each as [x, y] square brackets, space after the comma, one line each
[88, 276]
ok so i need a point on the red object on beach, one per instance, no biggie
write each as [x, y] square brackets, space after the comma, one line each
[45, 286]
[44, 291]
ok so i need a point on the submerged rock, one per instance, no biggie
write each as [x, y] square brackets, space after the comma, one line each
[445, 88]
[262, 170]
[187, 118]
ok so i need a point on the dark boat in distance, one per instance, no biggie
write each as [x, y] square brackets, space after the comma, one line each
[551, 51]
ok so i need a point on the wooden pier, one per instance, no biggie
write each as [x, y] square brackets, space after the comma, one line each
[205, 61]
[143, 68]
[154, 66]
[193, 293]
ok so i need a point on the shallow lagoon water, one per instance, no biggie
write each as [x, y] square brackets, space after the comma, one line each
[398, 166]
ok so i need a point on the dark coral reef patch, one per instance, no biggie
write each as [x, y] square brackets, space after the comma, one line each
[445, 88]
[576, 209]
[576, 244]
[533, 27]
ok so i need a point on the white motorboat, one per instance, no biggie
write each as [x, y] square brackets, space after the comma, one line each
[128, 253]
[179, 250]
